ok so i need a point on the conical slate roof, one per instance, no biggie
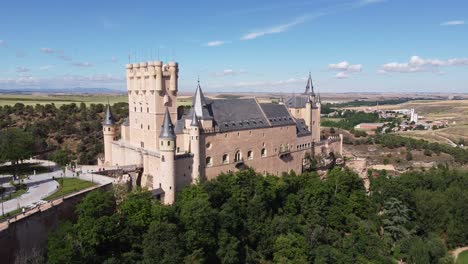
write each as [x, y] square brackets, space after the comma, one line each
[309, 86]
[167, 130]
[199, 104]
[194, 119]
[109, 118]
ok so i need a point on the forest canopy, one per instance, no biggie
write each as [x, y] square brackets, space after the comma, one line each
[249, 218]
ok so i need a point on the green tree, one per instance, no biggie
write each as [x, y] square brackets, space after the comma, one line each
[396, 219]
[161, 244]
[290, 248]
[15, 145]
[61, 157]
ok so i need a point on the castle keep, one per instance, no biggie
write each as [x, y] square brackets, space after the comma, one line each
[176, 148]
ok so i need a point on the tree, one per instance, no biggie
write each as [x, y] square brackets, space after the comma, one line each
[161, 244]
[427, 152]
[61, 157]
[290, 248]
[396, 219]
[409, 155]
[15, 145]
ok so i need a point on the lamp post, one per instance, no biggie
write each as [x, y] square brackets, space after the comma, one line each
[3, 210]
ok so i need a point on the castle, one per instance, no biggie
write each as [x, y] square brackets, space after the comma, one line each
[175, 148]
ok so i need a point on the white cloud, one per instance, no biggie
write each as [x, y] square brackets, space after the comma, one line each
[47, 50]
[418, 64]
[453, 23]
[230, 72]
[82, 64]
[65, 81]
[114, 59]
[22, 69]
[215, 43]
[342, 75]
[2, 43]
[275, 29]
[344, 69]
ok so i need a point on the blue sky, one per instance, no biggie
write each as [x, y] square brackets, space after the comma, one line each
[348, 45]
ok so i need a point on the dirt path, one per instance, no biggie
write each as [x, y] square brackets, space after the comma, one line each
[457, 251]
[450, 142]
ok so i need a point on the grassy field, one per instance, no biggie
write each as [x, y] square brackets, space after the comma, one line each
[7, 99]
[68, 186]
[463, 258]
[13, 195]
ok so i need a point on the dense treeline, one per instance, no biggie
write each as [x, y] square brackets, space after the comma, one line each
[357, 103]
[349, 119]
[70, 128]
[249, 218]
[393, 141]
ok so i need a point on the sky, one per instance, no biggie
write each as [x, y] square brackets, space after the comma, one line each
[249, 46]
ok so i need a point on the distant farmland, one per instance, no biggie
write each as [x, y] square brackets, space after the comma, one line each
[30, 99]
[12, 99]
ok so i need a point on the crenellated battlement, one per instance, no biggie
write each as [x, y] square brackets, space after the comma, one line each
[151, 76]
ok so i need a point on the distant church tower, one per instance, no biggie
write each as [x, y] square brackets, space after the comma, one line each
[109, 134]
[167, 147]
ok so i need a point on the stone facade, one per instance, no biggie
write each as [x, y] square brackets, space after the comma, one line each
[215, 136]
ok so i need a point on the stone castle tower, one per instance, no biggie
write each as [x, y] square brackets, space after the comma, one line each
[167, 148]
[171, 150]
[152, 88]
[109, 134]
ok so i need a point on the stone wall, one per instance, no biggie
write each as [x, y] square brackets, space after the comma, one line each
[25, 236]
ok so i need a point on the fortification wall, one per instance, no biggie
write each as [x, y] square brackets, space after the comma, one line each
[25, 237]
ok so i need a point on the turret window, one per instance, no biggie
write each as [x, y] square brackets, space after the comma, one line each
[264, 152]
[168, 143]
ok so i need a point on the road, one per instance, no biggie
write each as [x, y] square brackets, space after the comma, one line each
[43, 185]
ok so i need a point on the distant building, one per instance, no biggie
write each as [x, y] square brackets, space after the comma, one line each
[175, 148]
[369, 127]
[413, 116]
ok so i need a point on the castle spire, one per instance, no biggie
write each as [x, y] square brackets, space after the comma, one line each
[167, 130]
[199, 104]
[194, 120]
[309, 86]
[109, 118]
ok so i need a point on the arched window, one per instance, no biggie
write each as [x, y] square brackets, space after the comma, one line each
[209, 161]
[250, 154]
[238, 156]
[264, 152]
[225, 159]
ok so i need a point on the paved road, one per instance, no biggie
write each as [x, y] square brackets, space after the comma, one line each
[43, 185]
[457, 252]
